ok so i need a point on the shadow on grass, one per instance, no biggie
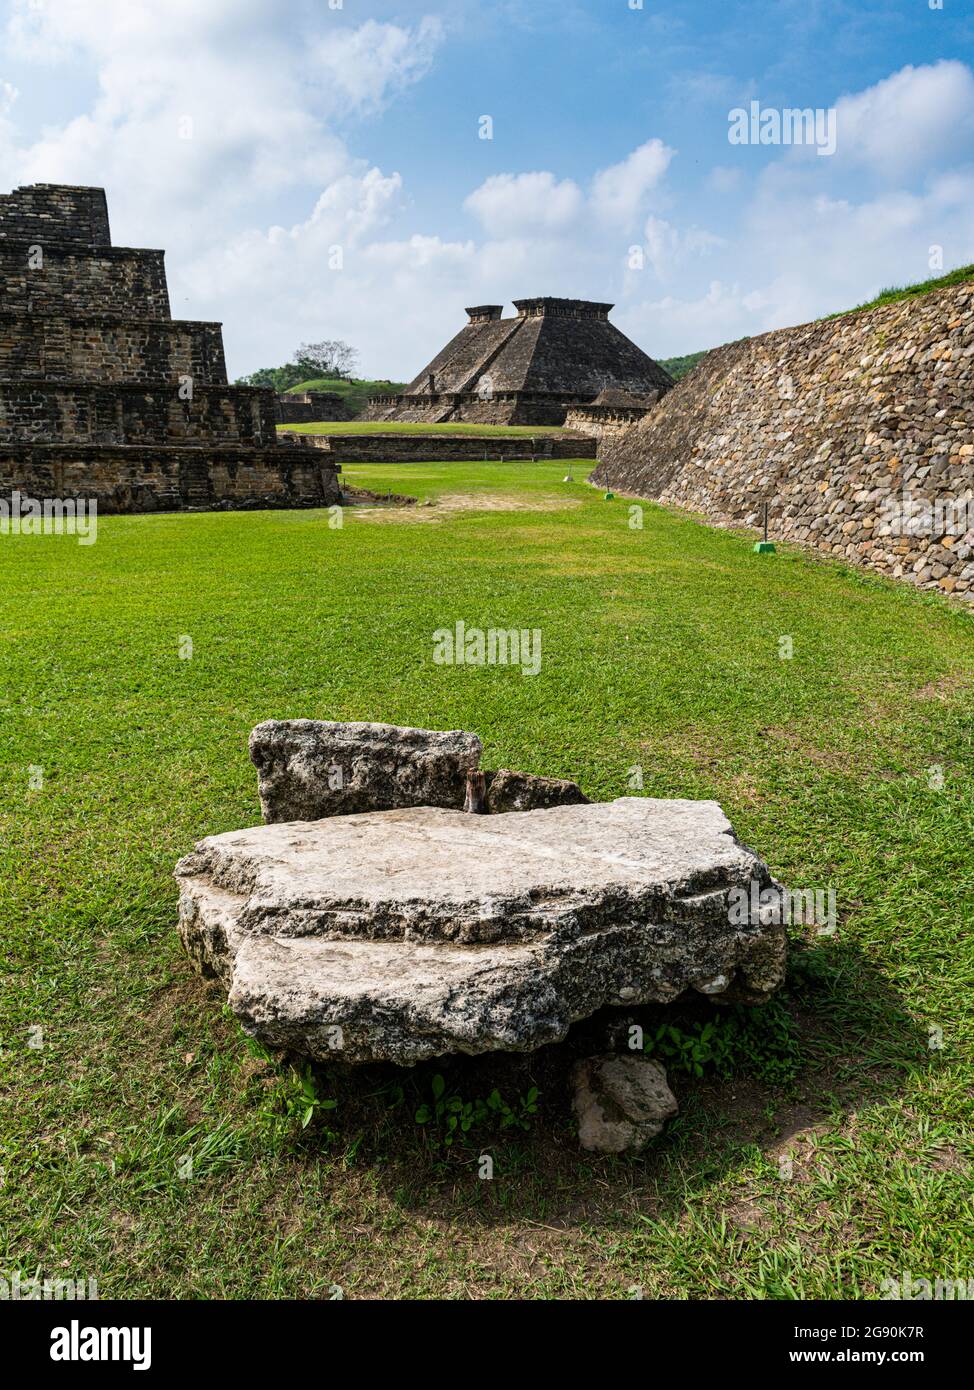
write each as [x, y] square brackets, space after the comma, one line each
[851, 1044]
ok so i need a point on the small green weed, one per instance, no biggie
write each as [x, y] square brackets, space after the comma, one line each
[760, 1041]
[452, 1115]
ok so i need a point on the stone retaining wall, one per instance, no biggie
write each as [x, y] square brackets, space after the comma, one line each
[79, 281]
[156, 478]
[447, 448]
[311, 406]
[857, 430]
[602, 422]
[122, 413]
[110, 349]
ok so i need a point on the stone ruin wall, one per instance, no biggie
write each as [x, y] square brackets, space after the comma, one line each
[43, 212]
[161, 478]
[122, 413]
[601, 423]
[311, 407]
[74, 281]
[858, 430]
[449, 448]
[500, 408]
[104, 396]
[110, 349]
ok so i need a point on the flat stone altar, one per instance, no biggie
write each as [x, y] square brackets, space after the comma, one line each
[414, 933]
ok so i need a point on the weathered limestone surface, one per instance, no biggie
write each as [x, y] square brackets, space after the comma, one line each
[520, 791]
[858, 431]
[621, 1101]
[309, 768]
[409, 934]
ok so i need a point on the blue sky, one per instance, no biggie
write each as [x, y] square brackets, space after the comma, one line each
[250, 139]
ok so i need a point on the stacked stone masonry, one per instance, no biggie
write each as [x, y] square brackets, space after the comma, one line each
[858, 431]
[104, 396]
[306, 407]
[450, 448]
[52, 346]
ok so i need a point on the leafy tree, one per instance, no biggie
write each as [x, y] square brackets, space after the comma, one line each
[277, 378]
[330, 357]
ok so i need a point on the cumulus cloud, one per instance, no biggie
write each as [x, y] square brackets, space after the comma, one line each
[913, 120]
[799, 255]
[721, 312]
[363, 68]
[218, 103]
[507, 204]
[511, 204]
[619, 192]
[668, 248]
[894, 205]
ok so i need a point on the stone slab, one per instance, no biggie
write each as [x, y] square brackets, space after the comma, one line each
[409, 934]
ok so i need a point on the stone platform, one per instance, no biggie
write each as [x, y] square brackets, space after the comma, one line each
[105, 398]
[414, 933]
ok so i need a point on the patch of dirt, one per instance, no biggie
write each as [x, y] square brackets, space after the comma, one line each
[177, 1000]
[831, 759]
[795, 1147]
[946, 1159]
[943, 689]
[454, 502]
[357, 496]
[747, 1217]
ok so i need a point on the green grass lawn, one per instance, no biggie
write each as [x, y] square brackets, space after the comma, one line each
[144, 1143]
[408, 427]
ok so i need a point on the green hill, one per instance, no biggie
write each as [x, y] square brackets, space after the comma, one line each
[679, 366]
[355, 392]
[288, 379]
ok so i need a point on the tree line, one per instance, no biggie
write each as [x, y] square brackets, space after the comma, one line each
[331, 358]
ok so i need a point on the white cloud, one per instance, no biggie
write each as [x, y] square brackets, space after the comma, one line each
[677, 324]
[507, 204]
[362, 68]
[803, 254]
[219, 104]
[269, 101]
[817, 235]
[619, 192]
[668, 248]
[914, 119]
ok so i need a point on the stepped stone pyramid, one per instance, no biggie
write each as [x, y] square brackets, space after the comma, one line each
[103, 395]
[529, 370]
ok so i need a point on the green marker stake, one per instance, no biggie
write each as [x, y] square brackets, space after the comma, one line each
[764, 547]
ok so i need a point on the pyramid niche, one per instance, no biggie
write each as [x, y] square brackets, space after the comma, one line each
[104, 395]
[555, 355]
